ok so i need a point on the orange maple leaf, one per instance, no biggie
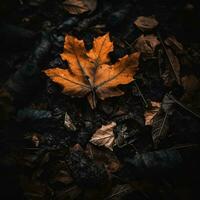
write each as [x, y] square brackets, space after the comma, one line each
[90, 73]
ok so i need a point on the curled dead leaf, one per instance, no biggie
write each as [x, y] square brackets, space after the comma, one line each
[76, 7]
[147, 44]
[89, 72]
[104, 136]
[146, 23]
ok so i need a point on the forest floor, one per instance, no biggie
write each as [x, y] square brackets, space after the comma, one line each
[141, 145]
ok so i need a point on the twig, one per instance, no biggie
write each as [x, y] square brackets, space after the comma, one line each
[159, 62]
[163, 123]
[184, 107]
[184, 146]
[91, 152]
[144, 100]
[116, 194]
[128, 44]
[32, 149]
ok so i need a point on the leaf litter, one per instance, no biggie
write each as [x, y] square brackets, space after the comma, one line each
[143, 137]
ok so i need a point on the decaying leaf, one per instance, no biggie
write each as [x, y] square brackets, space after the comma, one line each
[160, 125]
[79, 6]
[89, 72]
[150, 113]
[104, 136]
[174, 44]
[173, 68]
[146, 23]
[69, 123]
[147, 44]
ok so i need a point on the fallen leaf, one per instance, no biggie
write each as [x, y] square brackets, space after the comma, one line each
[69, 123]
[147, 44]
[150, 113]
[175, 64]
[146, 23]
[174, 44]
[76, 7]
[173, 68]
[160, 125]
[89, 72]
[104, 136]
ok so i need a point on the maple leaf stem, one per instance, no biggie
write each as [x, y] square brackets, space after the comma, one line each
[87, 78]
[96, 64]
[110, 79]
[93, 98]
[93, 91]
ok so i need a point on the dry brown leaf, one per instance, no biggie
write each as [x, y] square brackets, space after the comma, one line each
[147, 44]
[76, 7]
[146, 23]
[175, 64]
[150, 113]
[104, 136]
[89, 72]
[174, 44]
